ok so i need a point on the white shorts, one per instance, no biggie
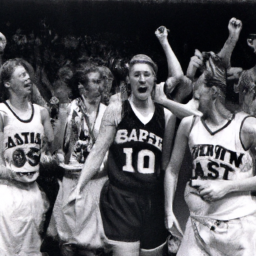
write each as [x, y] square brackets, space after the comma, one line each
[22, 212]
[78, 222]
[205, 236]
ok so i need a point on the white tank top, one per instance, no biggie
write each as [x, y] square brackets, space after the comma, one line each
[23, 139]
[220, 155]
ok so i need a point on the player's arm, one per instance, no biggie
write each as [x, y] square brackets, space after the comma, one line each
[48, 131]
[4, 172]
[248, 139]
[196, 62]
[174, 68]
[234, 28]
[2, 47]
[172, 172]
[100, 148]
[178, 109]
[170, 123]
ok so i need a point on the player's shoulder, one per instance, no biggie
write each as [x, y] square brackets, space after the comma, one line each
[41, 110]
[113, 112]
[187, 124]
[248, 122]
[2, 106]
[167, 114]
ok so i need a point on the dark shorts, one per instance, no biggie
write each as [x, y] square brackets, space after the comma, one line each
[130, 217]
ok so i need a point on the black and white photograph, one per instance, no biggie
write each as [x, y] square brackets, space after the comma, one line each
[127, 127]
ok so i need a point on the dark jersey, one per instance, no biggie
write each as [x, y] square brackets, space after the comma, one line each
[134, 161]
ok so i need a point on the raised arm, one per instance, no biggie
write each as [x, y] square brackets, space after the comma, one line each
[178, 109]
[234, 28]
[172, 173]
[2, 47]
[174, 68]
[100, 148]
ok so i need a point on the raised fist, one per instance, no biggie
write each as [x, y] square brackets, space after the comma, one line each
[234, 28]
[2, 42]
[196, 62]
[162, 33]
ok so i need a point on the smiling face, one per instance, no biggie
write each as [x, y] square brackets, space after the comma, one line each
[19, 83]
[142, 80]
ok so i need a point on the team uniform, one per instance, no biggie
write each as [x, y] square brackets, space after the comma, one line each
[132, 201]
[78, 223]
[226, 226]
[22, 205]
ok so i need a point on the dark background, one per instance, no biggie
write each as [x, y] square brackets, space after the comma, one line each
[192, 26]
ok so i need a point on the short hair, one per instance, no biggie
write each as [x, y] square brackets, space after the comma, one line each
[83, 69]
[8, 68]
[142, 58]
[6, 72]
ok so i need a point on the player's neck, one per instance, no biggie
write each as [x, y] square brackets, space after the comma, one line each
[142, 104]
[218, 115]
[20, 103]
[91, 104]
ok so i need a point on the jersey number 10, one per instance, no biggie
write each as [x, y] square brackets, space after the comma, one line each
[142, 155]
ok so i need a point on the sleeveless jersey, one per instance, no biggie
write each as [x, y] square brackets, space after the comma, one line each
[134, 161]
[220, 155]
[22, 139]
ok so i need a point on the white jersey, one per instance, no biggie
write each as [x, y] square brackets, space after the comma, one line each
[22, 139]
[22, 208]
[220, 155]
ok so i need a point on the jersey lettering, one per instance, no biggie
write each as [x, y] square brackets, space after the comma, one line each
[219, 153]
[23, 138]
[214, 170]
[123, 136]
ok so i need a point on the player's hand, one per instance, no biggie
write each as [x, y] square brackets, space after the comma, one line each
[173, 226]
[196, 62]
[211, 190]
[234, 73]
[162, 33]
[234, 28]
[159, 95]
[2, 43]
[60, 158]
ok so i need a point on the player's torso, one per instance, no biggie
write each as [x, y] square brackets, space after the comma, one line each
[135, 156]
[219, 155]
[81, 135]
[22, 140]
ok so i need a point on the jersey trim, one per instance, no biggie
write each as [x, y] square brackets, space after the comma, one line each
[192, 124]
[240, 131]
[223, 127]
[21, 120]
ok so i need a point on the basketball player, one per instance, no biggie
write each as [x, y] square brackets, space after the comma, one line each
[138, 135]
[23, 129]
[222, 211]
[76, 226]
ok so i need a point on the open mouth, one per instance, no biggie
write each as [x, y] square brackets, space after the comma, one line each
[26, 174]
[142, 89]
[29, 85]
